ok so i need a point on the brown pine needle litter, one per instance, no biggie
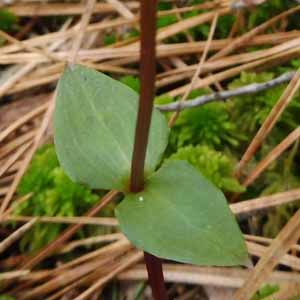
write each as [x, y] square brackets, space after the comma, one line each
[31, 68]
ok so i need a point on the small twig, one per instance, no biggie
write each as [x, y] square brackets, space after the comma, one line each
[249, 3]
[239, 4]
[224, 95]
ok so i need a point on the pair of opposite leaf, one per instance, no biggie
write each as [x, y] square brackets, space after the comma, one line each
[179, 215]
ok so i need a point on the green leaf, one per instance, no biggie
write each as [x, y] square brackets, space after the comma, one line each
[183, 217]
[94, 124]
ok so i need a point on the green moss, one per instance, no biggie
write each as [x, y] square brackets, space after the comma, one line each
[281, 176]
[250, 111]
[215, 166]
[6, 297]
[131, 34]
[54, 194]
[266, 11]
[109, 39]
[266, 291]
[209, 124]
[164, 21]
[163, 99]
[8, 21]
[131, 81]
[164, 5]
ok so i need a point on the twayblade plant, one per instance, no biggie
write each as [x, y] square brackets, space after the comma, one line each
[179, 215]
[172, 212]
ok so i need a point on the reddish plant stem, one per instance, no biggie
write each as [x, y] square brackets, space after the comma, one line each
[27, 28]
[147, 77]
[156, 276]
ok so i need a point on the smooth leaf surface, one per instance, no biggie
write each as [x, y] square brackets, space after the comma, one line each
[94, 126]
[183, 217]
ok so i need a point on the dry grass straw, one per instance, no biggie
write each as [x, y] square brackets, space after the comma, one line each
[286, 260]
[91, 241]
[85, 19]
[248, 207]
[269, 123]
[17, 142]
[267, 241]
[5, 133]
[36, 142]
[64, 220]
[67, 276]
[54, 246]
[198, 70]
[126, 262]
[41, 60]
[220, 277]
[272, 156]
[48, 115]
[16, 235]
[288, 236]
[249, 35]
[31, 65]
[17, 202]
[13, 275]
[120, 246]
[121, 8]
[56, 9]
[14, 158]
